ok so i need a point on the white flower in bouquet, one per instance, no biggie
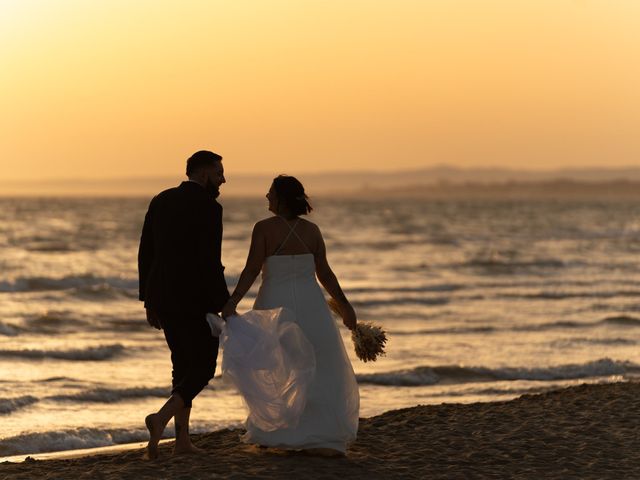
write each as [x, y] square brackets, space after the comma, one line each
[368, 339]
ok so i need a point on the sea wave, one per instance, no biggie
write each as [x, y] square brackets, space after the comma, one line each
[492, 392]
[60, 322]
[439, 287]
[475, 329]
[402, 301]
[123, 324]
[104, 291]
[622, 320]
[109, 395]
[505, 266]
[87, 282]
[446, 331]
[58, 379]
[625, 321]
[559, 324]
[9, 330]
[71, 439]
[452, 374]
[102, 352]
[504, 263]
[373, 297]
[571, 342]
[49, 246]
[553, 295]
[9, 405]
[52, 322]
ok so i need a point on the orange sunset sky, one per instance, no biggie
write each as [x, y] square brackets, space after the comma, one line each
[92, 88]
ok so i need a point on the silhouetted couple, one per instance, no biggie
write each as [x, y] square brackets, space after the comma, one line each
[182, 279]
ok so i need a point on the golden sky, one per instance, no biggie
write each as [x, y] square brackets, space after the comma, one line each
[104, 88]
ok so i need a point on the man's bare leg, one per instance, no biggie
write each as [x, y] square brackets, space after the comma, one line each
[183, 440]
[156, 423]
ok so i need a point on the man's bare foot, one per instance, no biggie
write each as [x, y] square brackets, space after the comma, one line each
[188, 449]
[155, 432]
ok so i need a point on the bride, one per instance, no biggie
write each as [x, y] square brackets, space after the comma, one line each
[290, 252]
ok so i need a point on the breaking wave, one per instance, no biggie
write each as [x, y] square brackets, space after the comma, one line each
[68, 440]
[422, 376]
[9, 405]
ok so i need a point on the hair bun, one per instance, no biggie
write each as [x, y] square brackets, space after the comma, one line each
[290, 192]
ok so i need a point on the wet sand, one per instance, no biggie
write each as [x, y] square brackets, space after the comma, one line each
[584, 432]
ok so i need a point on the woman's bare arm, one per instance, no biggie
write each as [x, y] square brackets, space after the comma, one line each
[255, 259]
[330, 283]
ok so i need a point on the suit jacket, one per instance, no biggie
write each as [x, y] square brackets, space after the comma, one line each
[179, 259]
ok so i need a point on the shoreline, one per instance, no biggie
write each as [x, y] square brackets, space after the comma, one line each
[586, 431]
[79, 452]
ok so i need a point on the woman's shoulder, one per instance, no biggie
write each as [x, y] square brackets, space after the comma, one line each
[265, 222]
[309, 224]
[268, 224]
[278, 221]
[275, 225]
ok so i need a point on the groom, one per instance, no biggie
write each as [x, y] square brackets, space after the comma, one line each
[181, 279]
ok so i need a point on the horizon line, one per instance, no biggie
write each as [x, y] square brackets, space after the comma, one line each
[332, 172]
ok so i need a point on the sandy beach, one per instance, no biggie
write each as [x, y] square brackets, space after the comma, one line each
[589, 431]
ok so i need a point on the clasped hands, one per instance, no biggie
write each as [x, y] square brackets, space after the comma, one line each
[229, 309]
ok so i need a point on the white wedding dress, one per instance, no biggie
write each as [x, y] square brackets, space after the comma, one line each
[295, 332]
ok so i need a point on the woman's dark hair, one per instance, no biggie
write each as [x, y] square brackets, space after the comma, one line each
[201, 159]
[290, 192]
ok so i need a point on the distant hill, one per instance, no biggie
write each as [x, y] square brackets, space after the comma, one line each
[441, 179]
[515, 190]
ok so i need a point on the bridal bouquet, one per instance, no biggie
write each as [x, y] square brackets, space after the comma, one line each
[368, 339]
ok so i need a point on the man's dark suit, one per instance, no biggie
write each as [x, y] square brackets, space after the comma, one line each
[182, 278]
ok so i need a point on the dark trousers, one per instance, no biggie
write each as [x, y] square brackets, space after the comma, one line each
[193, 354]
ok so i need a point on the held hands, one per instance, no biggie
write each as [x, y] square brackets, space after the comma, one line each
[229, 309]
[153, 319]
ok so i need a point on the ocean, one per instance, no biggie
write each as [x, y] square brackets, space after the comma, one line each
[482, 300]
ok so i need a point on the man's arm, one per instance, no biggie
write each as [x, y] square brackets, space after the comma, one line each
[145, 259]
[211, 253]
[145, 253]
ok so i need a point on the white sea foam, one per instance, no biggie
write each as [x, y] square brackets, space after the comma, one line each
[71, 439]
[81, 438]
